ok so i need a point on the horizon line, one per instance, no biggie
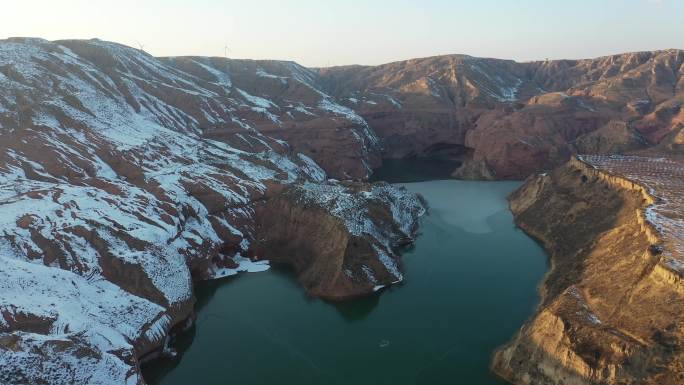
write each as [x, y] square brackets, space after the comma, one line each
[346, 65]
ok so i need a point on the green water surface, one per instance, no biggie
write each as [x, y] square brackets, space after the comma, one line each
[470, 283]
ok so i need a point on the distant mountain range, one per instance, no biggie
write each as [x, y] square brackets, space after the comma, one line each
[508, 119]
[504, 119]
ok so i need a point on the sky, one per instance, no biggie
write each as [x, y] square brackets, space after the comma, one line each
[320, 33]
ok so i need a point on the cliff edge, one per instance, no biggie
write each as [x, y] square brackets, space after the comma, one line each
[611, 305]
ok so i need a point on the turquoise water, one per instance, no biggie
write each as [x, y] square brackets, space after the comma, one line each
[470, 283]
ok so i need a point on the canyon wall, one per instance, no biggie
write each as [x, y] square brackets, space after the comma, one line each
[340, 239]
[611, 306]
[507, 120]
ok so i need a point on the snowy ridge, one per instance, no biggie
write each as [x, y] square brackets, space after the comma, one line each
[81, 363]
[276, 96]
[222, 78]
[503, 89]
[113, 199]
[664, 180]
[366, 136]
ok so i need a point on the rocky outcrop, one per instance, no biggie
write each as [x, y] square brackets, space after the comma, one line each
[612, 303]
[332, 235]
[474, 170]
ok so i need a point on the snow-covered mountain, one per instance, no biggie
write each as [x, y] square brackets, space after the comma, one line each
[124, 178]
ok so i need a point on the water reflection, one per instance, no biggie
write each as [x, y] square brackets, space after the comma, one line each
[414, 170]
[359, 309]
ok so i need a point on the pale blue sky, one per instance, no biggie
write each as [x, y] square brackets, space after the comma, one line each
[336, 32]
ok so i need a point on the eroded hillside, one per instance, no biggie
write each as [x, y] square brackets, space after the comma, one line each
[612, 302]
[508, 119]
[123, 179]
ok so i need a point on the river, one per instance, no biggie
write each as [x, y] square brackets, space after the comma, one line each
[470, 283]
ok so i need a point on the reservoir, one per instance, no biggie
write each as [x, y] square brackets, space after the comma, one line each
[470, 283]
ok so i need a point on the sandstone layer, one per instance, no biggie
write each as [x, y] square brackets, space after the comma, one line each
[611, 305]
